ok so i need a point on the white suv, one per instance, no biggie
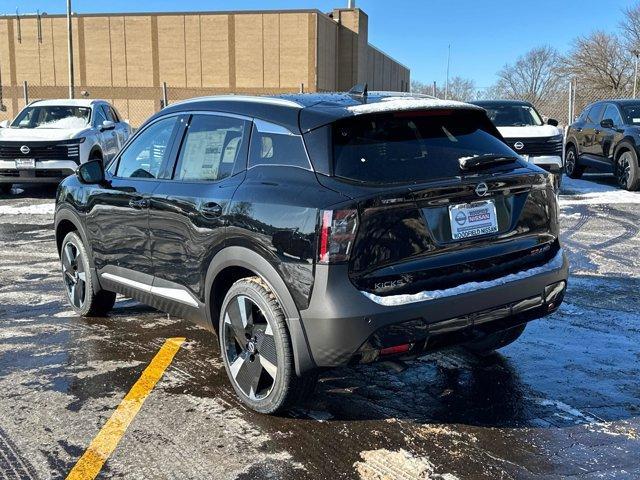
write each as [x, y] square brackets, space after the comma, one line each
[48, 139]
[526, 133]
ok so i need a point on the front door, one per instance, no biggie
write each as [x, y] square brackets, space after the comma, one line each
[118, 214]
[607, 136]
[190, 207]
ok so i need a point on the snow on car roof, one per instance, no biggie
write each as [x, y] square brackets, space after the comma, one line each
[78, 102]
[395, 103]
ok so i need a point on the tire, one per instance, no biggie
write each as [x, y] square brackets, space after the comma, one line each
[5, 188]
[571, 166]
[627, 171]
[78, 282]
[493, 341]
[261, 371]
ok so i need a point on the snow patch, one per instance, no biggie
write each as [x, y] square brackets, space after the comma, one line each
[585, 192]
[391, 104]
[383, 464]
[391, 300]
[39, 209]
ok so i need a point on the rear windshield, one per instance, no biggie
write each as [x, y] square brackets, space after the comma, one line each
[411, 147]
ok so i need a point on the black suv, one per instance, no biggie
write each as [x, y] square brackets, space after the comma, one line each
[312, 231]
[605, 138]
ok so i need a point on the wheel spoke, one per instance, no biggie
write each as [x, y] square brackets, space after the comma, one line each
[82, 276]
[67, 257]
[246, 311]
[72, 295]
[238, 330]
[77, 294]
[271, 369]
[248, 376]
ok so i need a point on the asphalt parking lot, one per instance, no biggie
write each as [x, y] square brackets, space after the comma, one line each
[562, 402]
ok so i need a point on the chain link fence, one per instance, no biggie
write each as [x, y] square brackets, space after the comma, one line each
[135, 103]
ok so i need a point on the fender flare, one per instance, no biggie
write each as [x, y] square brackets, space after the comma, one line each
[69, 215]
[235, 256]
[626, 142]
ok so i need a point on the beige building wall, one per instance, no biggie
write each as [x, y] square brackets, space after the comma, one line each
[126, 58]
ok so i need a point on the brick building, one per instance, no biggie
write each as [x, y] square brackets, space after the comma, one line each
[126, 58]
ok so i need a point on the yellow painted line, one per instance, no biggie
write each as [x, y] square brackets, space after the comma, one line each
[109, 436]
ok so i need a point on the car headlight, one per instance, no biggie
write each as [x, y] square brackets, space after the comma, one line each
[556, 138]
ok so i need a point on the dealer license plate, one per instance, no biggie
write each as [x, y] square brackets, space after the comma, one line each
[470, 220]
[24, 163]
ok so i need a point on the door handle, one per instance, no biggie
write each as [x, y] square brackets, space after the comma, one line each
[142, 203]
[211, 209]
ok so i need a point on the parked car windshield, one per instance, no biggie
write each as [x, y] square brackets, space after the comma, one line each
[411, 147]
[503, 115]
[632, 113]
[55, 116]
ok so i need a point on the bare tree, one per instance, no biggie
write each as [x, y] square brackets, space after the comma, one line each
[462, 89]
[600, 61]
[630, 26]
[534, 76]
[421, 87]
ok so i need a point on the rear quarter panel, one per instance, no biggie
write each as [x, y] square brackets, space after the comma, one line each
[275, 213]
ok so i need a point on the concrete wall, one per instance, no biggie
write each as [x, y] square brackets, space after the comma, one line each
[126, 57]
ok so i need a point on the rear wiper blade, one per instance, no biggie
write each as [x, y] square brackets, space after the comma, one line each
[486, 160]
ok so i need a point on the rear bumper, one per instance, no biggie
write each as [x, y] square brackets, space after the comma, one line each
[342, 324]
[45, 171]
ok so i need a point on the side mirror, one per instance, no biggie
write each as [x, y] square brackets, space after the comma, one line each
[606, 123]
[91, 173]
[552, 121]
[107, 125]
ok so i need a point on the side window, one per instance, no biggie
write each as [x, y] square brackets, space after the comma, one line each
[143, 157]
[212, 147]
[107, 113]
[98, 116]
[595, 114]
[115, 114]
[275, 145]
[611, 112]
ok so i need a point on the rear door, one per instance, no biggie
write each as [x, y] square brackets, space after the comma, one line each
[425, 223]
[590, 129]
[189, 209]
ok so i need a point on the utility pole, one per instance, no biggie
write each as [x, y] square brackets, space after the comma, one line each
[636, 53]
[446, 86]
[70, 48]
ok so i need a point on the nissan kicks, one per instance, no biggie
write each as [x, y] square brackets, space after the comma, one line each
[313, 231]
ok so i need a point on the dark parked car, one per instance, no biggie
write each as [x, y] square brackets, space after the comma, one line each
[426, 229]
[605, 138]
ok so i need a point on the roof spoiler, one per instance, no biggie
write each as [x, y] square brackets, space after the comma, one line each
[359, 91]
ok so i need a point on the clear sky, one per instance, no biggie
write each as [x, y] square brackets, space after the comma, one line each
[484, 34]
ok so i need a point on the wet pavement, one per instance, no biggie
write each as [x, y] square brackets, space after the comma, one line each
[561, 402]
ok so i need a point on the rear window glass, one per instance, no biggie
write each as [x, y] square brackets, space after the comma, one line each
[410, 147]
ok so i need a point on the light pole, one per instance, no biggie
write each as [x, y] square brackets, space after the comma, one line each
[446, 86]
[636, 53]
[70, 48]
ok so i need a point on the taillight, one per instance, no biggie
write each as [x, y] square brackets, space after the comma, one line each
[337, 234]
